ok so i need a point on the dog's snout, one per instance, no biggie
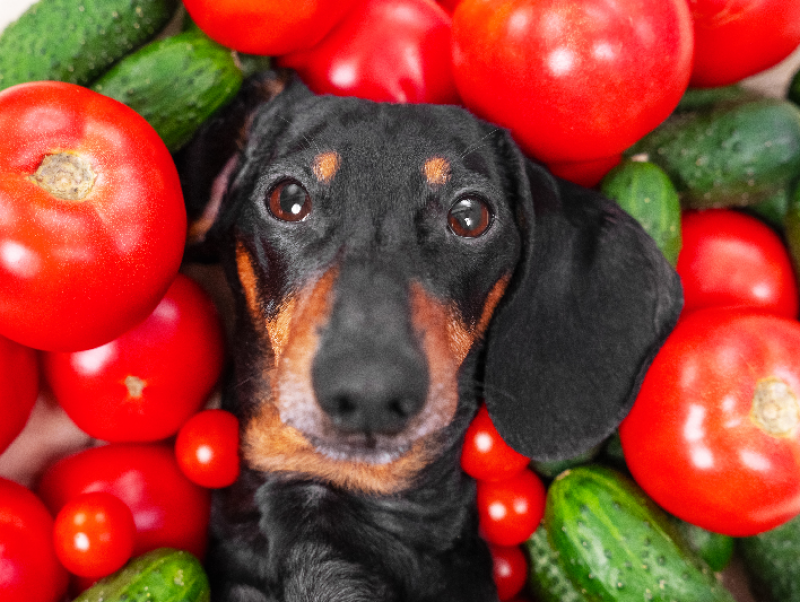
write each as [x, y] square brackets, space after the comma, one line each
[376, 394]
[369, 373]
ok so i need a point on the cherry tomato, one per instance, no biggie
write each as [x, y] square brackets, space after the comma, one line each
[145, 384]
[94, 534]
[19, 387]
[29, 568]
[168, 509]
[207, 448]
[485, 455]
[738, 38]
[714, 435]
[729, 258]
[573, 81]
[510, 510]
[86, 257]
[509, 570]
[383, 50]
[272, 26]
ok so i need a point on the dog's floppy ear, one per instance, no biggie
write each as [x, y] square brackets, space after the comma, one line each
[590, 303]
[207, 163]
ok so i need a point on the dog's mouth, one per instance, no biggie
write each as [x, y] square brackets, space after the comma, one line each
[364, 447]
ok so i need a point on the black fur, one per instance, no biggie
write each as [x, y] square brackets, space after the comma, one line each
[590, 300]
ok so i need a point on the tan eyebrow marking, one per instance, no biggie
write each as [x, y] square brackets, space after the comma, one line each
[326, 165]
[437, 171]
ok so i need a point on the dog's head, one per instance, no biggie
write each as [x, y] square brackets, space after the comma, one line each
[378, 251]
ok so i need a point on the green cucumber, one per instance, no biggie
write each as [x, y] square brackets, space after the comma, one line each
[772, 562]
[175, 83]
[618, 546]
[645, 191]
[791, 228]
[702, 99]
[77, 40]
[163, 575]
[735, 155]
[548, 581]
[714, 548]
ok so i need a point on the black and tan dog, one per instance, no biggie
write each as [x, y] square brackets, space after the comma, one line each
[391, 265]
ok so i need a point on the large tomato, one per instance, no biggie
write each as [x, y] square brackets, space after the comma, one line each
[384, 50]
[738, 38]
[93, 221]
[267, 27]
[714, 435]
[29, 568]
[729, 258]
[573, 81]
[168, 509]
[19, 386]
[145, 384]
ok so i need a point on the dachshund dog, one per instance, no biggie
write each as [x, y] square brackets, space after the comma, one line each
[392, 266]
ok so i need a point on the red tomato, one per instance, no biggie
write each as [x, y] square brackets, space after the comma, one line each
[145, 384]
[207, 448]
[738, 38]
[29, 568]
[81, 268]
[168, 509]
[586, 173]
[510, 510]
[714, 435]
[94, 534]
[485, 455]
[729, 258]
[272, 26]
[509, 570]
[19, 387]
[384, 50]
[573, 81]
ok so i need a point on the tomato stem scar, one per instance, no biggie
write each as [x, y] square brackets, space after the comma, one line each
[135, 386]
[65, 175]
[775, 407]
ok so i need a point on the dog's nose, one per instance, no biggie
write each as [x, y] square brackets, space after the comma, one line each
[372, 393]
[369, 372]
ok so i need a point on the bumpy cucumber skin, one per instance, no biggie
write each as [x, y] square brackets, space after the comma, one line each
[77, 40]
[548, 581]
[772, 562]
[735, 155]
[714, 548]
[175, 83]
[163, 575]
[618, 546]
[645, 191]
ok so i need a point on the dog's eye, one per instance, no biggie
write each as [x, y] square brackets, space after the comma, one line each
[469, 217]
[289, 201]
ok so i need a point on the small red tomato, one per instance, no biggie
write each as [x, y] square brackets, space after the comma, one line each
[207, 448]
[29, 568]
[383, 50]
[509, 570]
[509, 511]
[714, 434]
[145, 384]
[272, 26]
[19, 387]
[93, 221]
[168, 509]
[94, 534]
[485, 456]
[730, 259]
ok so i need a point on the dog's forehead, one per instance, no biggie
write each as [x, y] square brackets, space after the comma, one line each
[390, 139]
